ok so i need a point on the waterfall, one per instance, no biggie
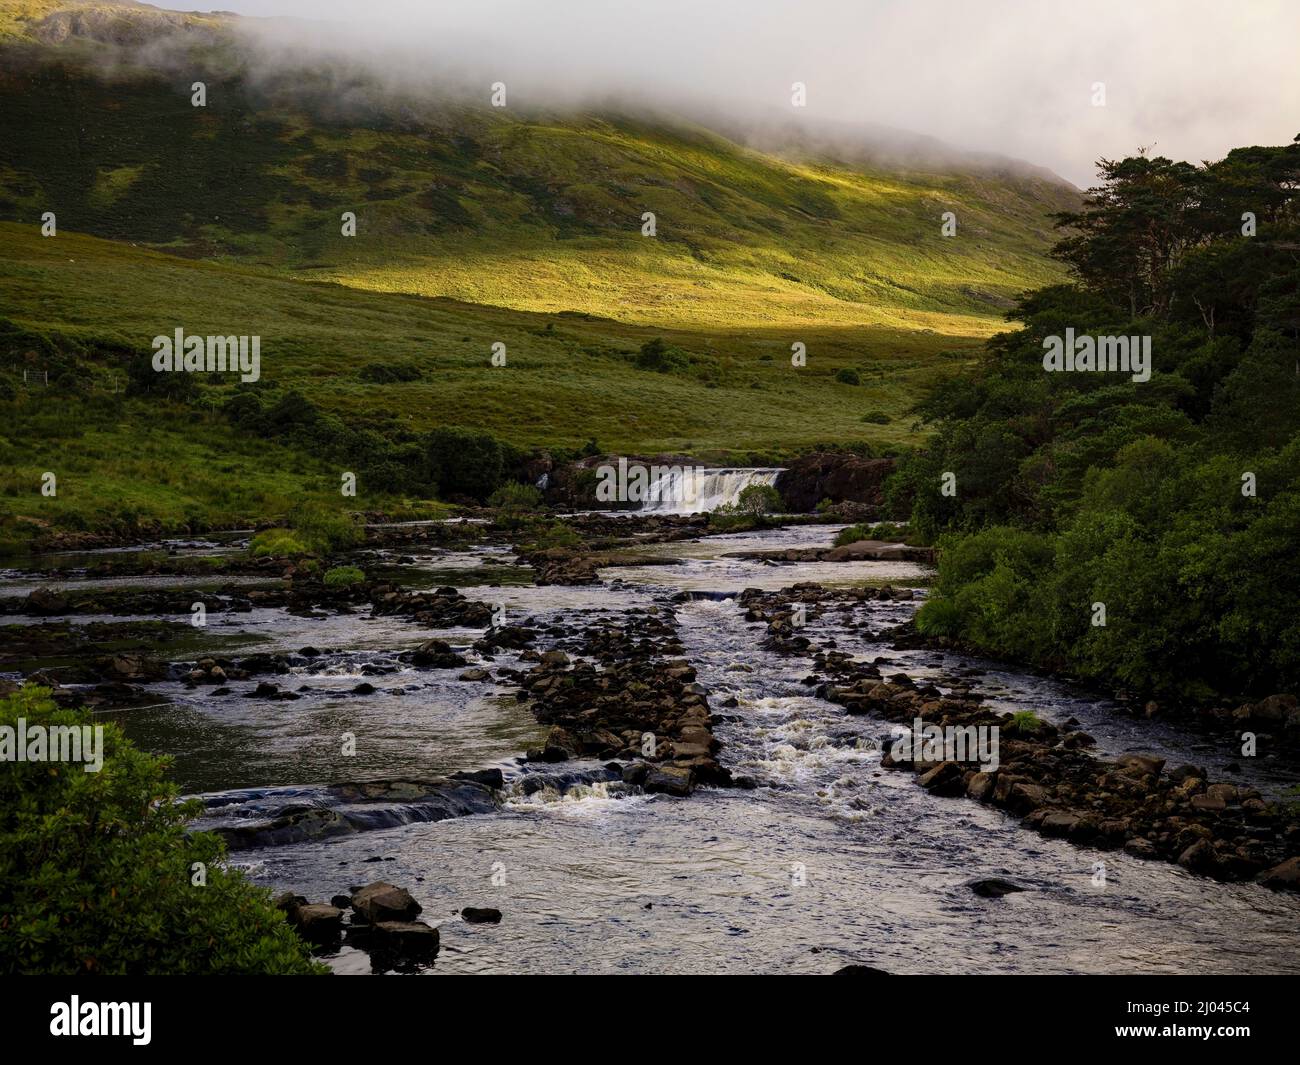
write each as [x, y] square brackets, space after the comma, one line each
[691, 490]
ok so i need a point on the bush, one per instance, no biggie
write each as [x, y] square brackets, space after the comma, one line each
[97, 870]
[877, 417]
[465, 462]
[277, 543]
[515, 496]
[759, 499]
[938, 617]
[848, 376]
[326, 531]
[317, 530]
[727, 518]
[343, 577]
[660, 357]
[1026, 722]
[885, 530]
[143, 380]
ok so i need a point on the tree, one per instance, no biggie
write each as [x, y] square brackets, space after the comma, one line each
[100, 874]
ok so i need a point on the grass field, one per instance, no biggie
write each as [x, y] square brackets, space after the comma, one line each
[473, 227]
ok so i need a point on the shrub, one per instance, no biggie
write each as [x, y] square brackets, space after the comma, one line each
[884, 530]
[277, 543]
[659, 356]
[465, 462]
[848, 376]
[326, 531]
[1025, 721]
[727, 518]
[877, 417]
[317, 530]
[759, 499]
[343, 577]
[97, 870]
[515, 496]
[938, 617]
[143, 380]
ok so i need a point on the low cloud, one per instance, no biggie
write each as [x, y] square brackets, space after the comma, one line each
[1190, 78]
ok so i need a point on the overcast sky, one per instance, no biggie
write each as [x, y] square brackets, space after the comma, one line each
[1192, 78]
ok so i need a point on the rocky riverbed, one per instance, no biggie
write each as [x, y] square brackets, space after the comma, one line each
[655, 768]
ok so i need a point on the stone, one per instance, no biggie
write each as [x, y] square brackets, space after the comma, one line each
[1200, 857]
[317, 922]
[993, 888]
[1147, 765]
[411, 939]
[1283, 875]
[669, 780]
[382, 901]
[486, 915]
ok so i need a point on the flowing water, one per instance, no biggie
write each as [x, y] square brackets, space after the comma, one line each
[829, 860]
[694, 490]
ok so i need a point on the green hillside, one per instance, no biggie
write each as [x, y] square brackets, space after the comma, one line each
[474, 226]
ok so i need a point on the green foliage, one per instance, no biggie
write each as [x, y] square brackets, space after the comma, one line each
[877, 417]
[657, 355]
[1025, 721]
[277, 543]
[1074, 489]
[343, 577]
[884, 530]
[726, 518]
[384, 373]
[317, 530]
[325, 530]
[516, 496]
[540, 534]
[759, 499]
[938, 617]
[465, 462]
[846, 375]
[97, 870]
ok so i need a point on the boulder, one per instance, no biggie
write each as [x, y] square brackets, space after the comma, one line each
[317, 922]
[381, 901]
[411, 939]
[1200, 857]
[837, 476]
[1283, 875]
[669, 780]
[947, 778]
[1143, 764]
[486, 915]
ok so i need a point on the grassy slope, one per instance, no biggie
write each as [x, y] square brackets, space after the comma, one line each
[537, 214]
[514, 217]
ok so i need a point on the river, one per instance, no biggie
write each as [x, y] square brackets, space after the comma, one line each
[830, 860]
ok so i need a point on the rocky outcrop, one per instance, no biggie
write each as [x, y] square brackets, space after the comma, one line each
[440, 609]
[361, 807]
[635, 702]
[837, 476]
